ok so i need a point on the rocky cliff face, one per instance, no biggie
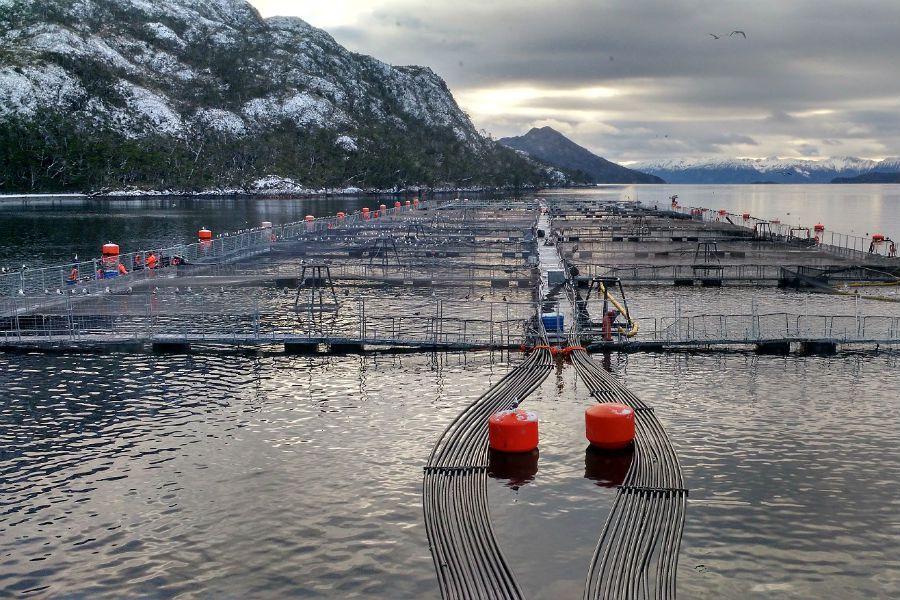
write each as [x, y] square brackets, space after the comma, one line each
[213, 82]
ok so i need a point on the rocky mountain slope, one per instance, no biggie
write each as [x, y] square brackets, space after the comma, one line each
[748, 170]
[188, 93]
[550, 146]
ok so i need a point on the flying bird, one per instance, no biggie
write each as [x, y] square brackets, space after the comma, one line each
[738, 31]
[715, 37]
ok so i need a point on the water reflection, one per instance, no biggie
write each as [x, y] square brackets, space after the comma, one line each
[515, 468]
[607, 468]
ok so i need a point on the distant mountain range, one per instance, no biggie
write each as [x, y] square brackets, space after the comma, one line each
[764, 170]
[550, 146]
[874, 177]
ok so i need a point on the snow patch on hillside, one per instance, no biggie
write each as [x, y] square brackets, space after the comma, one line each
[347, 143]
[303, 109]
[222, 121]
[24, 89]
[152, 107]
[274, 184]
[163, 33]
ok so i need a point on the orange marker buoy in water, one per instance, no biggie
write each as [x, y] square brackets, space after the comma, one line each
[609, 425]
[204, 234]
[819, 227]
[513, 431]
[746, 216]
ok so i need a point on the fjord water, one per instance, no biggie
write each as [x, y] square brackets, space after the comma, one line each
[278, 476]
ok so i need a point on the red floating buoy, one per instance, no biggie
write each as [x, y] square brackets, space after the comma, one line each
[110, 249]
[746, 216]
[819, 227]
[609, 425]
[513, 431]
[877, 238]
[204, 234]
[722, 212]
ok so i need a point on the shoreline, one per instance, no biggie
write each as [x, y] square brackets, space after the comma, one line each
[267, 193]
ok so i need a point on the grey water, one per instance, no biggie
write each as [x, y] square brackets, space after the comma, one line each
[208, 476]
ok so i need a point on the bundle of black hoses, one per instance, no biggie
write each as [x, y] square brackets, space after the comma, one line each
[466, 555]
[637, 554]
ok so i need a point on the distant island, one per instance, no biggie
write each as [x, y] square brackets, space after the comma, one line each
[550, 146]
[876, 177]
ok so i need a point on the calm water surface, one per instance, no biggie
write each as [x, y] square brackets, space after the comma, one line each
[278, 476]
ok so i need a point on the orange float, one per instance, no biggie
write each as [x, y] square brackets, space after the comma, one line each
[877, 238]
[204, 234]
[513, 431]
[746, 216]
[819, 227]
[610, 425]
[365, 214]
[110, 249]
[722, 212]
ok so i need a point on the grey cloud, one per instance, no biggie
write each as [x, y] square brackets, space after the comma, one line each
[800, 56]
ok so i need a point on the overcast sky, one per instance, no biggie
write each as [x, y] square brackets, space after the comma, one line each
[642, 79]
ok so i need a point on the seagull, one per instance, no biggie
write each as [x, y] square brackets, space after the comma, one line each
[738, 32]
[715, 37]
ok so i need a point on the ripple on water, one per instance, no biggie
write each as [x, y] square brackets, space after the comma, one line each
[277, 476]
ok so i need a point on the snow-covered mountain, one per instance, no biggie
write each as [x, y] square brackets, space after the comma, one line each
[212, 76]
[751, 170]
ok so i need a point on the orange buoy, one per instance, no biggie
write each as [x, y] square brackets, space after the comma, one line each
[877, 238]
[819, 227]
[204, 234]
[609, 425]
[365, 214]
[110, 249]
[513, 431]
[746, 216]
[310, 218]
[722, 212]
